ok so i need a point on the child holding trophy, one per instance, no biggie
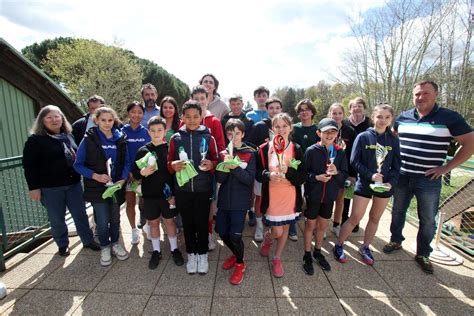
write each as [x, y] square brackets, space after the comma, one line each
[376, 158]
[281, 171]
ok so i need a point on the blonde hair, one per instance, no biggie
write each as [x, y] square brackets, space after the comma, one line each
[111, 111]
[284, 117]
[38, 127]
[336, 105]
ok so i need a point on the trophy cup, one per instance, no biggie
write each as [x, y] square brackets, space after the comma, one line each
[203, 150]
[380, 154]
[332, 156]
[108, 164]
[167, 193]
[279, 146]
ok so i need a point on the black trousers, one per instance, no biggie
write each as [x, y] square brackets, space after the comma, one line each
[194, 208]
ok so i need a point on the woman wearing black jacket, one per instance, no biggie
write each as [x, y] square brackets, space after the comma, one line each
[48, 157]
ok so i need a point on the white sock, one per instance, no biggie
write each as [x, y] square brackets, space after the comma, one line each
[173, 242]
[156, 244]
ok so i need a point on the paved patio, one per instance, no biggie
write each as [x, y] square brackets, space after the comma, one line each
[44, 283]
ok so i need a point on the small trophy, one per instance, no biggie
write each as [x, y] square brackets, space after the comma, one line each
[332, 156]
[203, 150]
[108, 164]
[279, 146]
[380, 155]
[167, 193]
[230, 147]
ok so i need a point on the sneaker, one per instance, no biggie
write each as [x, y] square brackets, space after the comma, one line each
[266, 245]
[238, 275]
[191, 266]
[119, 252]
[293, 237]
[135, 236]
[212, 244]
[92, 246]
[259, 230]
[154, 260]
[425, 264]
[146, 230]
[105, 257]
[336, 230]
[202, 264]
[277, 268]
[229, 263]
[177, 257]
[391, 247]
[339, 253]
[325, 236]
[252, 220]
[321, 260]
[64, 251]
[366, 255]
[308, 265]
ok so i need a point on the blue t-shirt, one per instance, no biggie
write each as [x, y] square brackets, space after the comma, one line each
[136, 138]
[424, 141]
[257, 115]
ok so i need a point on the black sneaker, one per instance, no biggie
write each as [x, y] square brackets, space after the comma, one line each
[391, 247]
[93, 246]
[252, 218]
[64, 251]
[177, 257]
[323, 263]
[308, 265]
[425, 264]
[154, 260]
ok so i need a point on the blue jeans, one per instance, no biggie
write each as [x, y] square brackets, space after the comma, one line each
[107, 221]
[427, 193]
[55, 200]
[292, 229]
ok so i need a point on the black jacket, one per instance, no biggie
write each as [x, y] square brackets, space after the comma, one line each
[152, 186]
[45, 164]
[260, 132]
[79, 128]
[247, 122]
[348, 135]
[296, 177]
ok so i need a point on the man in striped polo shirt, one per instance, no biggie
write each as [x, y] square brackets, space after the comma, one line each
[425, 133]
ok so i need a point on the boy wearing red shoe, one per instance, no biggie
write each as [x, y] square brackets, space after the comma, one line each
[236, 174]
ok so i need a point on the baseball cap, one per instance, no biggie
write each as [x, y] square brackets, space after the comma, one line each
[326, 124]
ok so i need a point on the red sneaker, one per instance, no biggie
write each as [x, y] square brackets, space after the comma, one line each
[266, 245]
[229, 263]
[238, 274]
[277, 268]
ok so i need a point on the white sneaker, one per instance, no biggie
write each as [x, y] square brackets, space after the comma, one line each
[146, 229]
[259, 230]
[191, 266]
[212, 244]
[202, 264]
[135, 236]
[119, 252]
[293, 237]
[105, 257]
[336, 230]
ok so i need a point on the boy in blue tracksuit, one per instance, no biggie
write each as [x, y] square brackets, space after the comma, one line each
[326, 165]
[235, 196]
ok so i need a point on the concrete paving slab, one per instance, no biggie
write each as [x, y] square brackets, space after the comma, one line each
[251, 252]
[295, 283]
[131, 276]
[98, 303]
[78, 273]
[13, 295]
[440, 306]
[28, 273]
[176, 281]
[407, 280]
[313, 306]
[459, 280]
[50, 247]
[244, 306]
[375, 306]
[178, 305]
[257, 281]
[47, 302]
[404, 254]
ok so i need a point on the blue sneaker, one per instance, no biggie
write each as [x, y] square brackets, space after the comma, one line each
[366, 255]
[339, 253]
[252, 220]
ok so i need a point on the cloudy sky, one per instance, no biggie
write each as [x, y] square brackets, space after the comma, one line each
[244, 43]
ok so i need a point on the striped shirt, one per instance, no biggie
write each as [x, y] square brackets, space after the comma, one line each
[424, 141]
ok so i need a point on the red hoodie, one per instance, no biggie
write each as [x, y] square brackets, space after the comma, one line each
[215, 127]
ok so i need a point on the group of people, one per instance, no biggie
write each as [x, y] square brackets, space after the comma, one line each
[212, 165]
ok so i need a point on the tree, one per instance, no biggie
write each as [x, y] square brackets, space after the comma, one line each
[87, 67]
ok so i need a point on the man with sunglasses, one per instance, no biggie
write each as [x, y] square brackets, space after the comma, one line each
[80, 126]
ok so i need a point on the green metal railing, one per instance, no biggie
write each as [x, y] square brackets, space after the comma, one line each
[21, 219]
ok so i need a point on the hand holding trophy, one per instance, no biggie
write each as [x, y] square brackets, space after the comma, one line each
[203, 148]
[380, 154]
[332, 156]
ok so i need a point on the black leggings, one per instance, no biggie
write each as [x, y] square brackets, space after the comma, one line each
[236, 245]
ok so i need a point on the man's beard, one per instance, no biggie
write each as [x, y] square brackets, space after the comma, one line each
[150, 103]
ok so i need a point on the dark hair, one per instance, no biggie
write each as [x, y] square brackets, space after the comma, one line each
[198, 89]
[233, 123]
[156, 120]
[175, 124]
[261, 90]
[106, 109]
[273, 100]
[95, 98]
[357, 100]
[134, 104]
[309, 104]
[422, 83]
[191, 104]
[216, 82]
[148, 86]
